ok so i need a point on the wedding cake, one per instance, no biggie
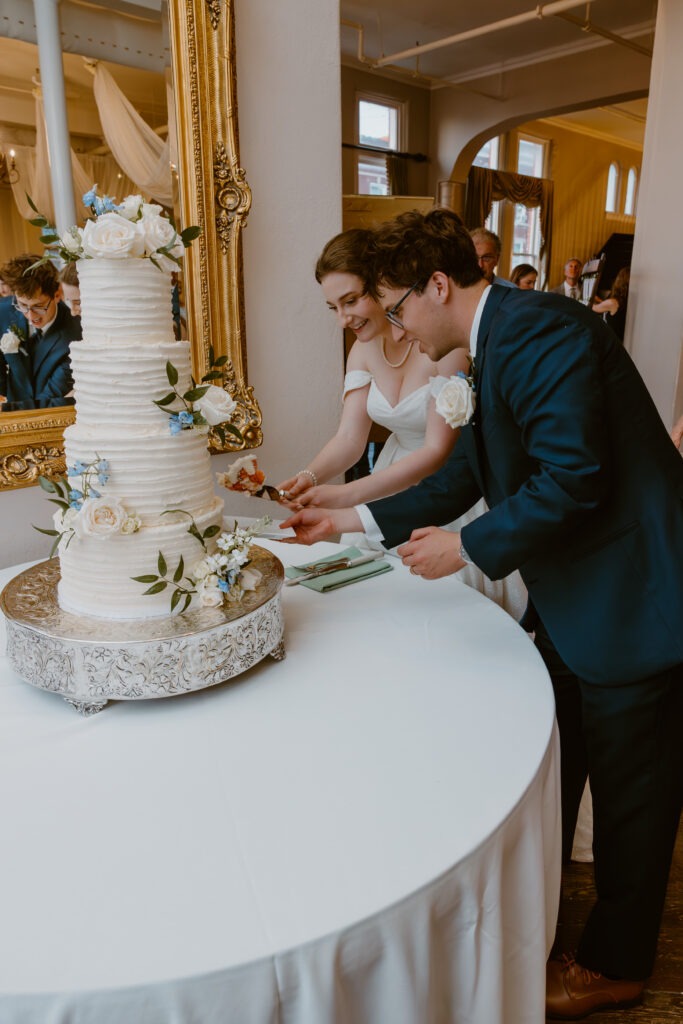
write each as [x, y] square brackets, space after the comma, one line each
[137, 509]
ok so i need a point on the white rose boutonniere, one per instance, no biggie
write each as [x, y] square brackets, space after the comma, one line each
[101, 517]
[111, 236]
[216, 405]
[455, 400]
[9, 343]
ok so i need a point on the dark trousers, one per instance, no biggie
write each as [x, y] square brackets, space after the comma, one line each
[628, 739]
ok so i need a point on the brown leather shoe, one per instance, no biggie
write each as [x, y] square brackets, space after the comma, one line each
[572, 991]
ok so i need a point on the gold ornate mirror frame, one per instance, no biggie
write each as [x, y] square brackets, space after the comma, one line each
[213, 194]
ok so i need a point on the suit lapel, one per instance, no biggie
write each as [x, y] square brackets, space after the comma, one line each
[495, 297]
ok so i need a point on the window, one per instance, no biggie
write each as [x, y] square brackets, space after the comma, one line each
[526, 231]
[631, 192]
[378, 125]
[488, 156]
[612, 188]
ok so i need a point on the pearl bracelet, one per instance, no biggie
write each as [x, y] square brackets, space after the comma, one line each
[309, 472]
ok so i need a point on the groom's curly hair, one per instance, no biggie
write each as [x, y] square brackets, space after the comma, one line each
[414, 245]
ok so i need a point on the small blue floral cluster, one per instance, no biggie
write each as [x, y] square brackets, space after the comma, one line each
[181, 421]
[87, 472]
[99, 204]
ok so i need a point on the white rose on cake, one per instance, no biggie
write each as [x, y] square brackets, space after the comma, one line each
[455, 401]
[111, 236]
[9, 343]
[216, 405]
[72, 242]
[160, 234]
[131, 207]
[249, 579]
[101, 517]
[208, 593]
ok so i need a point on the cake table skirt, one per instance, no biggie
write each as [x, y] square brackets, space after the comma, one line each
[365, 832]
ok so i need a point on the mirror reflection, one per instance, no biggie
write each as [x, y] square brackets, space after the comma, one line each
[123, 139]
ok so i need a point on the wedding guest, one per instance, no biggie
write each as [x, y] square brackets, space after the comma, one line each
[524, 276]
[37, 371]
[5, 289]
[586, 502]
[71, 292]
[571, 286]
[488, 247]
[614, 307]
[393, 384]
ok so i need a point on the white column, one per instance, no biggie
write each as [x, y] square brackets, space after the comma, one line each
[655, 306]
[54, 100]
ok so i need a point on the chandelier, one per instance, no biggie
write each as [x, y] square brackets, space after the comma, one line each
[9, 175]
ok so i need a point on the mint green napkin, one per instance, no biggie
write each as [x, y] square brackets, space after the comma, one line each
[341, 578]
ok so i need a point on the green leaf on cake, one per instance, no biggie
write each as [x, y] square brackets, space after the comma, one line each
[211, 531]
[157, 588]
[178, 574]
[189, 234]
[145, 579]
[47, 485]
[161, 563]
[195, 394]
[175, 597]
[49, 533]
[172, 374]
[167, 399]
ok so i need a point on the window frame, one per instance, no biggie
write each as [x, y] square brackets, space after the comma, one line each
[381, 100]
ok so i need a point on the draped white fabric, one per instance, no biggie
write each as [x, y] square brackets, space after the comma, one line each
[136, 147]
[140, 160]
[365, 832]
[33, 167]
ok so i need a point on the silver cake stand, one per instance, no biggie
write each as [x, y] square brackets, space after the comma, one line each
[89, 661]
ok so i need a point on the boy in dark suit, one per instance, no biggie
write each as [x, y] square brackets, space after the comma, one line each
[35, 372]
[585, 491]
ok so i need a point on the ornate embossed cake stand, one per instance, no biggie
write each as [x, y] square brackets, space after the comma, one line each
[89, 661]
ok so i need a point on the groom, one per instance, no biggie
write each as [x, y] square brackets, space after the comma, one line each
[586, 499]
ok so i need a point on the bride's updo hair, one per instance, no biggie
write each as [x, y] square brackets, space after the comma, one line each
[351, 252]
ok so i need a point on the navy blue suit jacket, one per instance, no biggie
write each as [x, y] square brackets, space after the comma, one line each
[584, 486]
[39, 374]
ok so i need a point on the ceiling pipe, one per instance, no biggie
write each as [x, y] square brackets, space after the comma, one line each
[588, 26]
[540, 11]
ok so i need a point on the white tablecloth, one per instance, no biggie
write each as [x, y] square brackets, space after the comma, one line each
[364, 833]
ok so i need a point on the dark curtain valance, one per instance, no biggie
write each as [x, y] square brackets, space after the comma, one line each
[485, 186]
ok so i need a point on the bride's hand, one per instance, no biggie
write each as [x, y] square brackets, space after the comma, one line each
[295, 486]
[327, 496]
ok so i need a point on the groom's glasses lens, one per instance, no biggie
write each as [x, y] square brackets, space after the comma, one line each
[392, 314]
[23, 308]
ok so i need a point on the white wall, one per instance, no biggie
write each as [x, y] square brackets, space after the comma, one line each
[655, 310]
[290, 134]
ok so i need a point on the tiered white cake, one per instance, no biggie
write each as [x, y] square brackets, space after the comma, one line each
[119, 370]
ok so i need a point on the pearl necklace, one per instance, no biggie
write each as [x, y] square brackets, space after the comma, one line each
[395, 366]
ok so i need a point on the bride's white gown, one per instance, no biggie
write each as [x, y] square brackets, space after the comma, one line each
[407, 421]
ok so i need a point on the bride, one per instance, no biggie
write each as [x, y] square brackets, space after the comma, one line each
[394, 385]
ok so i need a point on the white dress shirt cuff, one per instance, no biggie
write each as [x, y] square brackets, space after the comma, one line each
[370, 527]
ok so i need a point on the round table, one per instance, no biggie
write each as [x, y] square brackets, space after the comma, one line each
[365, 832]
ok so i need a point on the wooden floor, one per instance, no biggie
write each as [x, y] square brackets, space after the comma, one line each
[663, 1003]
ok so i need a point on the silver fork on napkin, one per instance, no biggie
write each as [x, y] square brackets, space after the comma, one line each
[322, 568]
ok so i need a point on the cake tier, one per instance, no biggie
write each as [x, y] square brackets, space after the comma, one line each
[124, 300]
[115, 393]
[96, 572]
[149, 473]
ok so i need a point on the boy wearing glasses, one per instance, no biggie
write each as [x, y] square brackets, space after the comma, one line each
[36, 334]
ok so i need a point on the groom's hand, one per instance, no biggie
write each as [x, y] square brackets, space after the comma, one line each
[432, 553]
[314, 524]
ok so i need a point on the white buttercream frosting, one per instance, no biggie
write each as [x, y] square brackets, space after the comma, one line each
[119, 371]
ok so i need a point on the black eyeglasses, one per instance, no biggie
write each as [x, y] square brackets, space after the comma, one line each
[392, 314]
[25, 309]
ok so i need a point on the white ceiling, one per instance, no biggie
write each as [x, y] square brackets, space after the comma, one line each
[382, 29]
